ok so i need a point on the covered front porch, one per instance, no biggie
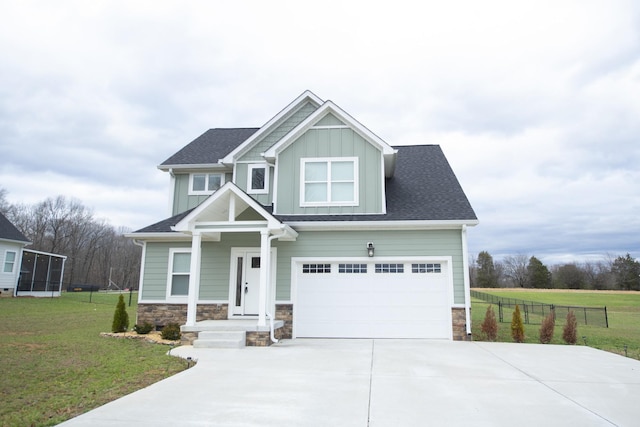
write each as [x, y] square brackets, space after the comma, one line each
[251, 305]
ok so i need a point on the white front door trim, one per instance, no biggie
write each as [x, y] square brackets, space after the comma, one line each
[249, 306]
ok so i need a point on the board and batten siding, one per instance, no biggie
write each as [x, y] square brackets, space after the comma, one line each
[330, 142]
[242, 181]
[409, 243]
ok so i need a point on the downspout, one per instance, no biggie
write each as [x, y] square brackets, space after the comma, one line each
[467, 290]
[268, 308]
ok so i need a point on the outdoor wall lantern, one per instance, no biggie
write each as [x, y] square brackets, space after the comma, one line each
[370, 249]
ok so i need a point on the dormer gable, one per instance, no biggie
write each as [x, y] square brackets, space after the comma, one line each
[329, 115]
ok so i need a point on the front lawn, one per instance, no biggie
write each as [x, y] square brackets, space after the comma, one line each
[54, 365]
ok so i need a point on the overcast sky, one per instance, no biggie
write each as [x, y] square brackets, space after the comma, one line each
[536, 104]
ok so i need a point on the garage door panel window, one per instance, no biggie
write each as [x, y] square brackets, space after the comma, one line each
[426, 268]
[352, 268]
[389, 268]
[316, 268]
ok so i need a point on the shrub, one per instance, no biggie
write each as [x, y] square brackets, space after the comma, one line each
[547, 328]
[517, 327]
[143, 329]
[489, 326]
[171, 331]
[120, 317]
[570, 331]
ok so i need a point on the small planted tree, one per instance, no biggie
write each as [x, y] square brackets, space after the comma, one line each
[547, 328]
[489, 326]
[120, 317]
[517, 327]
[570, 331]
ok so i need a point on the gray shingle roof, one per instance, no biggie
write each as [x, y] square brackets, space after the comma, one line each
[210, 147]
[9, 231]
[423, 187]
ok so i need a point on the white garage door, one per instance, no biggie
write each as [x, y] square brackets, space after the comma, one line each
[372, 300]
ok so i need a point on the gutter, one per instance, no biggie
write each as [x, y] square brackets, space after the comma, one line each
[272, 331]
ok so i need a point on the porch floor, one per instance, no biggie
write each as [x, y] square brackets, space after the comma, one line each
[248, 325]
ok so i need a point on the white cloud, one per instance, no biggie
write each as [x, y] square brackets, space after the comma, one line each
[534, 103]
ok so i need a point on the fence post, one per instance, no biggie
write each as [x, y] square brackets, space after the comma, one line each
[606, 318]
[500, 311]
[585, 315]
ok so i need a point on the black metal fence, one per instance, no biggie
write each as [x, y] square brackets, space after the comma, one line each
[534, 312]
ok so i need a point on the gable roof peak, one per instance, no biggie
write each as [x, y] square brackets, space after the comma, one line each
[306, 97]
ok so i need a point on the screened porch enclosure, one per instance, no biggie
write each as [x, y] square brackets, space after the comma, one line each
[41, 274]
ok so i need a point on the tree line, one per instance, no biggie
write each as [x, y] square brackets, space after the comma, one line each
[523, 271]
[96, 251]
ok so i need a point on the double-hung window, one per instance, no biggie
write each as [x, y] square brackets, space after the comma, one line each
[179, 267]
[329, 181]
[258, 179]
[205, 183]
[9, 262]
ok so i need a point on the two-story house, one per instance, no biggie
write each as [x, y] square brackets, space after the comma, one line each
[309, 226]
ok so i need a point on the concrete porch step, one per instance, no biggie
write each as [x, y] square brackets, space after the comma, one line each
[221, 339]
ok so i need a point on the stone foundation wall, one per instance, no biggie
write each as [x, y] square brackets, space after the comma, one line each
[459, 324]
[284, 312]
[258, 339]
[162, 314]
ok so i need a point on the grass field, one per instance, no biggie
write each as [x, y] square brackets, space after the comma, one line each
[54, 365]
[623, 310]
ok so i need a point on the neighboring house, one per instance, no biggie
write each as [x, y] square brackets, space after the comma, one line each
[313, 226]
[12, 243]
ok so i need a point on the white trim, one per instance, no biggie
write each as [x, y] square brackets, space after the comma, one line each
[466, 279]
[183, 168]
[206, 191]
[448, 259]
[378, 225]
[250, 168]
[329, 161]
[295, 105]
[169, 297]
[234, 254]
[200, 301]
[143, 260]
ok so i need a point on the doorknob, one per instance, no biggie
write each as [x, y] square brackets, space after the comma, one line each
[246, 288]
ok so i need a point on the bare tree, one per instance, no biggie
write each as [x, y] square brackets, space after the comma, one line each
[515, 269]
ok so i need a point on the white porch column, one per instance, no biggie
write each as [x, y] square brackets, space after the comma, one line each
[265, 262]
[194, 278]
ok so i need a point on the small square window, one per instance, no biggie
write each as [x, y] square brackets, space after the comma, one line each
[258, 179]
[205, 183]
[255, 262]
[316, 268]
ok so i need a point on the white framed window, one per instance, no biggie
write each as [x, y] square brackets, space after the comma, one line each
[329, 181]
[258, 178]
[205, 183]
[179, 268]
[9, 261]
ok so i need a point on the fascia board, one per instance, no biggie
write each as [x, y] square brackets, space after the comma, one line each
[267, 127]
[379, 225]
[18, 242]
[168, 236]
[186, 168]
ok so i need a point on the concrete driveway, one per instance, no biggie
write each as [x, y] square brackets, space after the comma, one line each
[387, 383]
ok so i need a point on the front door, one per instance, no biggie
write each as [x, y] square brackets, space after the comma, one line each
[246, 284]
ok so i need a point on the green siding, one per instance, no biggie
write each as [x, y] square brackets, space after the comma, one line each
[182, 201]
[242, 176]
[335, 142]
[329, 120]
[387, 243]
[216, 257]
[254, 154]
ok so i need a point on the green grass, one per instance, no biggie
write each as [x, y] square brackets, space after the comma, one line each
[54, 365]
[623, 312]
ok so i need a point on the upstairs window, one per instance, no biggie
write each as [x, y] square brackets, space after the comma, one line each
[205, 183]
[258, 179]
[329, 182]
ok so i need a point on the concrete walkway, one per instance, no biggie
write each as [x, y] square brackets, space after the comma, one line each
[387, 383]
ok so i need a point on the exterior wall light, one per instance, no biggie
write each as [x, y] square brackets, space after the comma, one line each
[370, 249]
